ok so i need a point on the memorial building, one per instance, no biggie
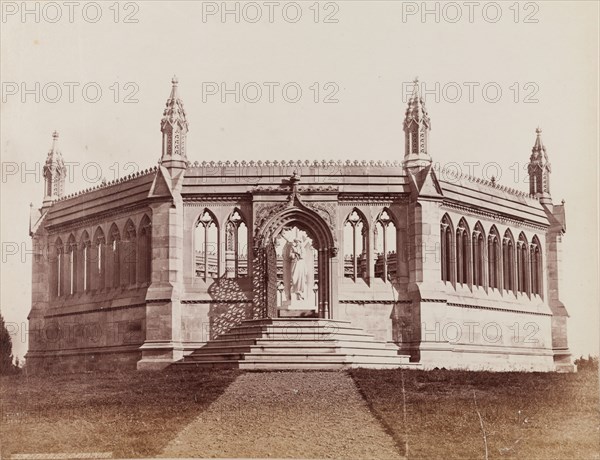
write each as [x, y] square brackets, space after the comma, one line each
[298, 264]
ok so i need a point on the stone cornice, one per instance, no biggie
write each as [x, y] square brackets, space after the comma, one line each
[96, 310]
[452, 177]
[213, 301]
[497, 217]
[103, 216]
[104, 185]
[374, 302]
[216, 198]
[479, 307]
[356, 199]
[309, 189]
[293, 163]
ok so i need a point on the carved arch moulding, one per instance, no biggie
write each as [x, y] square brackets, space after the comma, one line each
[267, 214]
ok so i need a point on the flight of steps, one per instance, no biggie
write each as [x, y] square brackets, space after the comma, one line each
[296, 343]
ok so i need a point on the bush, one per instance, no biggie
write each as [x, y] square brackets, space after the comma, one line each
[6, 356]
[589, 364]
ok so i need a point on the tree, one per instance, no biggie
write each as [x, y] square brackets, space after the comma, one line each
[6, 356]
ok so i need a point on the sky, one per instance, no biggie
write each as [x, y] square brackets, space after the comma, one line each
[302, 80]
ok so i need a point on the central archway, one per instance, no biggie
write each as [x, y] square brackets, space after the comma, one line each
[265, 258]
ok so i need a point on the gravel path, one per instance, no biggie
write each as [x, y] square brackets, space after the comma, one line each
[286, 415]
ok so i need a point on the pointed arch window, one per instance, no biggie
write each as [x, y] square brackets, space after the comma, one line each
[48, 183]
[129, 254]
[57, 272]
[385, 246]
[355, 246]
[71, 266]
[478, 239]
[462, 252]
[98, 267]
[447, 244]
[207, 246]
[86, 262]
[236, 244]
[508, 261]
[113, 258]
[494, 262]
[144, 253]
[536, 266]
[522, 264]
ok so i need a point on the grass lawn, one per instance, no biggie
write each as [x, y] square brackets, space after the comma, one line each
[524, 415]
[135, 414]
[131, 414]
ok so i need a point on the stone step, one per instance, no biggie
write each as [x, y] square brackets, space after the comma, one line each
[332, 347]
[297, 357]
[299, 343]
[273, 349]
[225, 356]
[292, 357]
[296, 335]
[293, 365]
[246, 345]
[252, 365]
[309, 352]
[269, 357]
[299, 321]
[328, 329]
[259, 341]
[329, 342]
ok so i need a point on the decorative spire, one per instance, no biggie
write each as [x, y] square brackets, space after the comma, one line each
[54, 173]
[539, 170]
[174, 127]
[539, 150]
[416, 131]
[416, 105]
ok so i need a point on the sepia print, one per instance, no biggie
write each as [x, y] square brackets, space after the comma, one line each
[318, 254]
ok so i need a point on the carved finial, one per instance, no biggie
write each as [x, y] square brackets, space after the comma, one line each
[416, 126]
[539, 170]
[54, 173]
[538, 147]
[174, 127]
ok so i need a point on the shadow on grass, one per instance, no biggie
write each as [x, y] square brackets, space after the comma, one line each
[525, 415]
[130, 414]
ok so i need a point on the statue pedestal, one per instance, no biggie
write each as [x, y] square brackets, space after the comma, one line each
[283, 313]
[297, 308]
[296, 304]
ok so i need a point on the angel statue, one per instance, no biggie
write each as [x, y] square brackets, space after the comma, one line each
[296, 271]
[299, 272]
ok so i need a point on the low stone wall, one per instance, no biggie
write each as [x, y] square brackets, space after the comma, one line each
[86, 340]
